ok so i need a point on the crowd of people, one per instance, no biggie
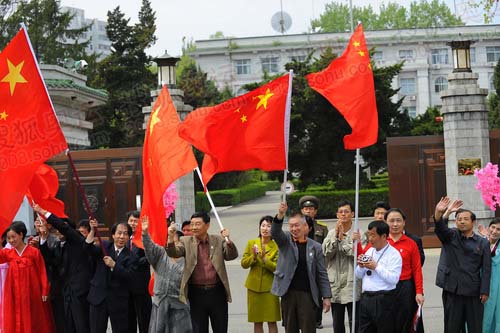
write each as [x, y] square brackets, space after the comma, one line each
[67, 280]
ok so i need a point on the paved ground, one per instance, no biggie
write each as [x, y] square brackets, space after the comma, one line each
[242, 222]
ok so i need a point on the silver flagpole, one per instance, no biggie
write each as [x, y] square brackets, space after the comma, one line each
[356, 206]
[288, 108]
[217, 217]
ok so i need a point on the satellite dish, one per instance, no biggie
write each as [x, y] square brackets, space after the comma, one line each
[281, 21]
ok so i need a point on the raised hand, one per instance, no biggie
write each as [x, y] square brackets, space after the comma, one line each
[282, 210]
[145, 224]
[441, 207]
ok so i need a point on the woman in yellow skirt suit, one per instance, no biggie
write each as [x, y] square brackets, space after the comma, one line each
[261, 256]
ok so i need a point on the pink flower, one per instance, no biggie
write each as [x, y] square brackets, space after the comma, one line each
[169, 199]
[488, 183]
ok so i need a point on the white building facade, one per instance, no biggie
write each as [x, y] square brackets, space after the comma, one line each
[234, 62]
[96, 34]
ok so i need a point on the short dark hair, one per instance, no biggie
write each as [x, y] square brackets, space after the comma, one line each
[461, 210]
[203, 215]
[185, 223]
[267, 218]
[134, 213]
[18, 227]
[381, 226]
[343, 203]
[115, 226]
[381, 204]
[494, 221]
[392, 210]
[84, 224]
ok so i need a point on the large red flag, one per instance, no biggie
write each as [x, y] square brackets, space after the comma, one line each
[242, 133]
[29, 131]
[43, 190]
[347, 83]
[165, 158]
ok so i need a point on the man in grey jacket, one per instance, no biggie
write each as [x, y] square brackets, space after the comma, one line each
[300, 276]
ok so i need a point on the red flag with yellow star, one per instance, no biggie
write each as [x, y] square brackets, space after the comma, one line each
[165, 158]
[246, 132]
[29, 130]
[347, 83]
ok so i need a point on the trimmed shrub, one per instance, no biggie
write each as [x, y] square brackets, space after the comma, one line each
[329, 199]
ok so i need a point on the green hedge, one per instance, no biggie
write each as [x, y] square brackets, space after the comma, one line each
[234, 196]
[329, 200]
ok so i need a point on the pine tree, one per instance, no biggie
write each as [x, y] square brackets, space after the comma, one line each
[494, 100]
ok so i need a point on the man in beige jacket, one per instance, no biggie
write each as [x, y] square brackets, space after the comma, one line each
[339, 255]
[204, 280]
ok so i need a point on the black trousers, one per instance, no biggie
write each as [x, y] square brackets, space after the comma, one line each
[406, 307]
[139, 312]
[76, 312]
[460, 311]
[338, 315]
[117, 312]
[376, 312]
[299, 312]
[208, 303]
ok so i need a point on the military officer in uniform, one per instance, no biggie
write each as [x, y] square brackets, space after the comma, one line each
[309, 205]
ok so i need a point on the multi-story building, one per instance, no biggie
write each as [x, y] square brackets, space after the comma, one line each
[234, 62]
[96, 34]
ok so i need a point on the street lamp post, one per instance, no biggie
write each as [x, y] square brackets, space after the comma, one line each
[461, 55]
[166, 70]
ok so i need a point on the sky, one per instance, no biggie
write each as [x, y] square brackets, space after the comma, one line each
[198, 19]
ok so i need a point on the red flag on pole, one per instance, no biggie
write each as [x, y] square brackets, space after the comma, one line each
[242, 133]
[43, 190]
[165, 158]
[29, 130]
[347, 83]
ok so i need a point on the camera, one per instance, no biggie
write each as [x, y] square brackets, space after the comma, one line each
[365, 258]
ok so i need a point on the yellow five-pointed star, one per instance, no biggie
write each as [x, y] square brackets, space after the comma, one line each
[263, 99]
[14, 75]
[356, 44]
[3, 115]
[154, 120]
[370, 66]
[237, 110]
[361, 53]
[244, 119]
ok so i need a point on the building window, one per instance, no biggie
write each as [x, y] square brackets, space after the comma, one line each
[242, 66]
[270, 65]
[439, 56]
[492, 53]
[472, 55]
[378, 56]
[407, 86]
[440, 84]
[301, 58]
[492, 84]
[405, 54]
[412, 111]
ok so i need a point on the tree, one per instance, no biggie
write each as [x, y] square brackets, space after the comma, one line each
[427, 124]
[489, 8]
[48, 28]
[494, 100]
[126, 76]
[198, 90]
[421, 14]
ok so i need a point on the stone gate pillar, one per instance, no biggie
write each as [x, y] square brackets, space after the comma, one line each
[466, 139]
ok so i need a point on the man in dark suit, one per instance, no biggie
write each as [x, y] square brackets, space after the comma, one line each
[109, 288]
[464, 268]
[72, 267]
[139, 308]
[300, 278]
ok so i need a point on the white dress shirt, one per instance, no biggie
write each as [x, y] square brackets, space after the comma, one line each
[386, 275]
